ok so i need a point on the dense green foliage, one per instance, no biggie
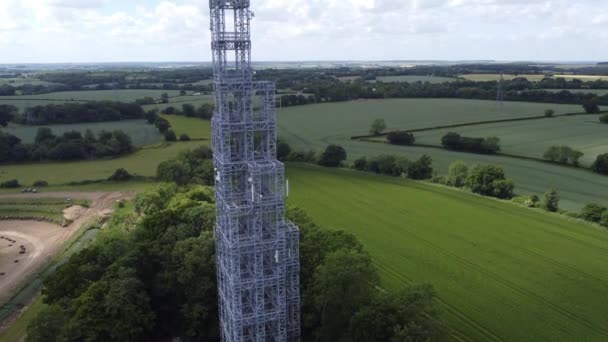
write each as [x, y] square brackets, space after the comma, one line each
[7, 113]
[333, 156]
[189, 167]
[378, 126]
[120, 175]
[551, 201]
[563, 155]
[10, 184]
[68, 146]
[401, 138]
[458, 174]
[397, 166]
[66, 113]
[593, 212]
[601, 164]
[479, 254]
[204, 111]
[604, 118]
[490, 180]
[453, 141]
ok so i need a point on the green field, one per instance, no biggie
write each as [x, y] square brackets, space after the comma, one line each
[316, 126]
[195, 128]
[143, 163]
[532, 138]
[531, 78]
[17, 82]
[121, 95]
[502, 272]
[413, 79]
[139, 130]
[178, 101]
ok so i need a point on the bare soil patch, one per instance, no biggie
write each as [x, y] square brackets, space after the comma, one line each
[27, 245]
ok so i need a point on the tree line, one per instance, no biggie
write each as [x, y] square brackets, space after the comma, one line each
[70, 145]
[68, 113]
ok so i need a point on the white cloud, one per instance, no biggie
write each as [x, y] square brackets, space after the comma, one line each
[152, 30]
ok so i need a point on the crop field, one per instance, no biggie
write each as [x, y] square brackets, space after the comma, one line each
[140, 131]
[502, 272]
[195, 128]
[531, 77]
[178, 101]
[532, 138]
[17, 82]
[413, 79]
[316, 126]
[121, 95]
[143, 163]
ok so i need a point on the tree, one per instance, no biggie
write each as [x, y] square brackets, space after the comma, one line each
[44, 135]
[47, 325]
[360, 164]
[341, 285]
[601, 164]
[551, 201]
[591, 106]
[421, 168]
[164, 98]
[593, 212]
[549, 113]
[184, 137]
[401, 138]
[378, 126]
[457, 174]
[120, 175]
[151, 116]
[182, 92]
[170, 135]
[604, 219]
[489, 180]
[604, 118]
[7, 113]
[563, 155]
[283, 150]
[162, 124]
[333, 156]
[503, 188]
[188, 110]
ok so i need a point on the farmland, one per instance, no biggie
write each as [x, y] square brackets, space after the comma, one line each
[195, 128]
[532, 138]
[121, 95]
[140, 131]
[529, 77]
[527, 269]
[316, 126]
[143, 162]
[178, 101]
[412, 79]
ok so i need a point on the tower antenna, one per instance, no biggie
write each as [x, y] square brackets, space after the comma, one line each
[257, 249]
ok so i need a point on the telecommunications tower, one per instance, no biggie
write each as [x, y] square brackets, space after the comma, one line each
[257, 250]
[500, 94]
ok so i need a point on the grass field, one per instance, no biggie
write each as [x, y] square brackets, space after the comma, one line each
[502, 272]
[121, 95]
[413, 79]
[178, 101]
[531, 78]
[139, 130]
[316, 126]
[40, 208]
[195, 128]
[142, 162]
[532, 138]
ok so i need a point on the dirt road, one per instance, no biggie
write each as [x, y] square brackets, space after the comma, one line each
[27, 245]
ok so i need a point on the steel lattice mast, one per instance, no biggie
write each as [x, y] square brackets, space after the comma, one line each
[257, 249]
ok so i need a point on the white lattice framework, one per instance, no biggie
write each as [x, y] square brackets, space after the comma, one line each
[257, 249]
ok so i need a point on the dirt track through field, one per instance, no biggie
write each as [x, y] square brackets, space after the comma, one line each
[27, 245]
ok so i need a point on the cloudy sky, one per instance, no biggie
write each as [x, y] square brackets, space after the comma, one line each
[177, 30]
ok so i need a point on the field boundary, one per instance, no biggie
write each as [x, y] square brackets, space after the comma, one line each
[476, 123]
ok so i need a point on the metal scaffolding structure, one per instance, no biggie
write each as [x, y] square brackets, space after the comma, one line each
[257, 249]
